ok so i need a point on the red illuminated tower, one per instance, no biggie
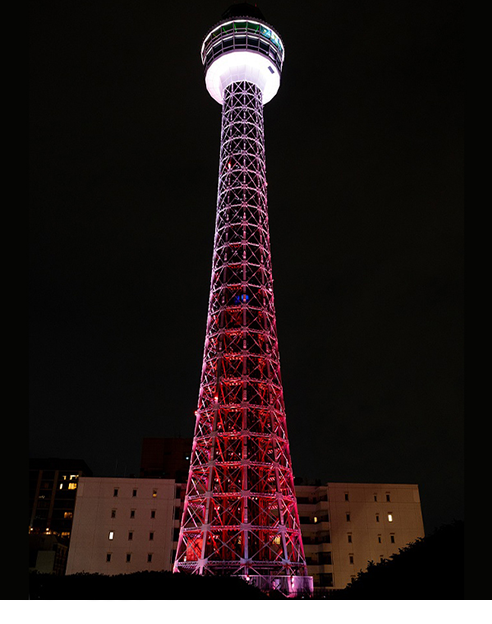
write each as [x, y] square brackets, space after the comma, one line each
[240, 512]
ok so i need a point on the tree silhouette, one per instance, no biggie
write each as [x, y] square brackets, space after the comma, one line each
[141, 586]
[431, 568]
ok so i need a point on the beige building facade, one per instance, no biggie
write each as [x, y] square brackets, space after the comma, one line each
[346, 525]
[123, 525]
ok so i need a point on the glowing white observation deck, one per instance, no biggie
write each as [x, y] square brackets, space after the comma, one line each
[242, 49]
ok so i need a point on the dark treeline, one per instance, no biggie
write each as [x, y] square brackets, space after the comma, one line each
[431, 568]
[140, 586]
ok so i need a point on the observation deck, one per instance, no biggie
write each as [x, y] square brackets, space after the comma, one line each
[242, 48]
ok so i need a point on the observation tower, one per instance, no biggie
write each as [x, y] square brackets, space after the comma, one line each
[240, 511]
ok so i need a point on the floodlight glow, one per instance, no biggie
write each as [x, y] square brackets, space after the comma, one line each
[242, 66]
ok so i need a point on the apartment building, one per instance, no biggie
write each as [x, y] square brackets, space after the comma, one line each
[124, 525]
[346, 525]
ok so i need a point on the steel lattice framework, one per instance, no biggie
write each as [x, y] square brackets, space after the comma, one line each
[240, 511]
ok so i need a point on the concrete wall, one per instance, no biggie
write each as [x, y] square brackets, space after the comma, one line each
[356, 524]
[117, 534]
[329, 515]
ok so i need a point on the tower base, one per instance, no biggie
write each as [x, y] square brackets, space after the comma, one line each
[290, 586]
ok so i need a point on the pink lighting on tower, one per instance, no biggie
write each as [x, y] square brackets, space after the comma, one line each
[240, 511]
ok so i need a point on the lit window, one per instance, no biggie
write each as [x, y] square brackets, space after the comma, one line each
[315, 519]
[390, 517]
[61, 486]
[276, 539]
[154, 493]
[72, 486]
[72, 477]
[111, 535]
[68, 514]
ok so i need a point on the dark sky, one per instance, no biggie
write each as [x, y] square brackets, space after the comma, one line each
[364, 147]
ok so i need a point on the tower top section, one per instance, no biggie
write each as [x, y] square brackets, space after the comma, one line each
[242, 47]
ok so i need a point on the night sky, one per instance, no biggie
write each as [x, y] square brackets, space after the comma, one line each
[364, 146]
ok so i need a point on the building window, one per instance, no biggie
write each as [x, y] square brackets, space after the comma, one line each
[392, 539]
[132, 513]
[130, 535]
[128, 557]
[113, 513]
[388, 498]
[351, 559]
[115, 492]
[324, 558]
[151, 535]
[348, 517]
[390, 517]
[111, 535]
[68, 514]
[349, 538]
[134, 493]
[326, 580]
[72, 486]
[154, 493]
[346, 496]
[149, 558]
[315, 519]
[375, 498]
[377, 517]
[108, 557]
[379, 539]
[152, 513]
